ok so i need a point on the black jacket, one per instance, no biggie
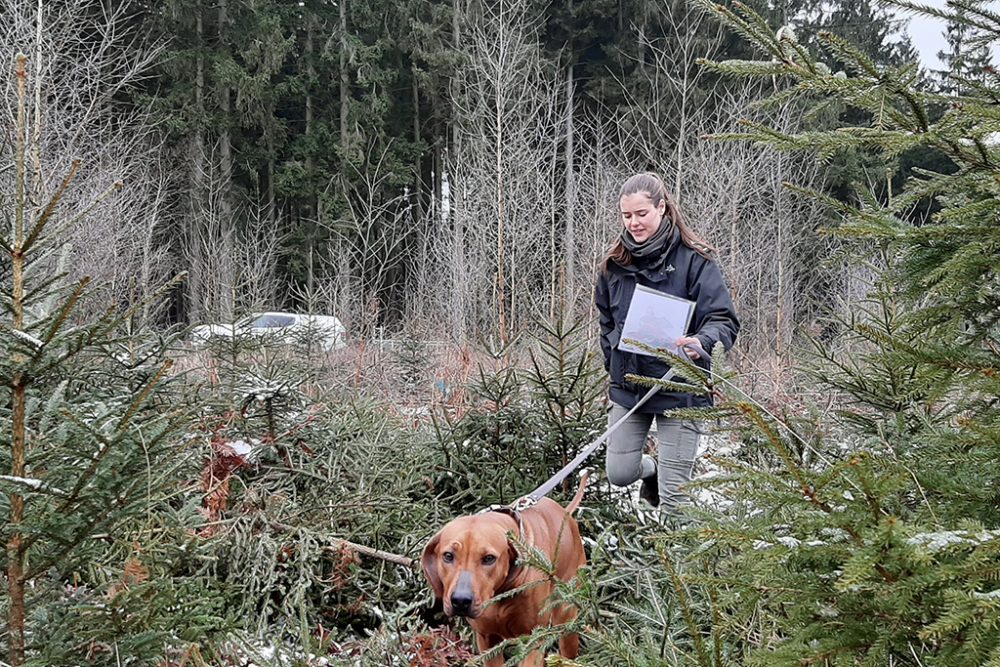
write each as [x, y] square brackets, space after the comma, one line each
[679, 271]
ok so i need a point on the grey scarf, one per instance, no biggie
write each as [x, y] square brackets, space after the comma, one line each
[652, 246]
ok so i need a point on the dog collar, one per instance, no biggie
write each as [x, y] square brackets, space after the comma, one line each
[512, 513]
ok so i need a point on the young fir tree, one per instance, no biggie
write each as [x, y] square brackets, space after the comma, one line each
[522, 425]
[89, 431]
[874, 539]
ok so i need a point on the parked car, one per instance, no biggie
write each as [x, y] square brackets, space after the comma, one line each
[325, 331]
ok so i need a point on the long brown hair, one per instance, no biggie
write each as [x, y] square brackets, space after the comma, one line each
[652, 186]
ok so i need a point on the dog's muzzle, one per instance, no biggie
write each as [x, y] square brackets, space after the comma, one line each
[463, 597]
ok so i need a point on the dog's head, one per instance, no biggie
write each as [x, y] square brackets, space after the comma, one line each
[469, 561]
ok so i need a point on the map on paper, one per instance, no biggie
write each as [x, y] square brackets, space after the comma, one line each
[655, 319]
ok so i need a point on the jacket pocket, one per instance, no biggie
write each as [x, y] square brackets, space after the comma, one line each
[652, 367]
[617, 368]
[622, 364]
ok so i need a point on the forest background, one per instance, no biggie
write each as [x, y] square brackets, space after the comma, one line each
[444, 168]
[443, 178]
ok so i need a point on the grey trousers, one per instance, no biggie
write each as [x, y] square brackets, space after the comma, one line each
[677, 448]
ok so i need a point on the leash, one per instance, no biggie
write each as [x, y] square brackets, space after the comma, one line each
[531, 499]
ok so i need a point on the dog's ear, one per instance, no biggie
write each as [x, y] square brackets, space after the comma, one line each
[514, 568]
[429, 564]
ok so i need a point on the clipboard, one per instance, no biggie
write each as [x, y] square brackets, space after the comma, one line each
[655, 319]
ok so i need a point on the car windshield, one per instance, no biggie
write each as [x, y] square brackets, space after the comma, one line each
[272, 321]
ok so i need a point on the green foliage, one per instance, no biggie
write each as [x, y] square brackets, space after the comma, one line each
[93, 447]
[291, 474]
[533, 419]
[873, 541]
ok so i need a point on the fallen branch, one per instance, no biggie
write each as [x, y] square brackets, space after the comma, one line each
[338, 545]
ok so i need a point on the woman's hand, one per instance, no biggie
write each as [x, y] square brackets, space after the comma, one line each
[691, 346]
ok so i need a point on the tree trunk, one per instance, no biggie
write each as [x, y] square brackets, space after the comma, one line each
[682, 125]
[271, 205]
[225, 139]
[226, 310]
[196, 283]
[344, 92]
[311, 76]
[781, 313]
[15, 547]
[501, 280]
[36, 143]
[198, 139]
[459, 283]
[419, 186]
[569, 233]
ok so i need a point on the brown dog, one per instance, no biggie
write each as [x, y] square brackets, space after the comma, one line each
[471, 560]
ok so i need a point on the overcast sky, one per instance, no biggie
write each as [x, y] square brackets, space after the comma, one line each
[927, 34]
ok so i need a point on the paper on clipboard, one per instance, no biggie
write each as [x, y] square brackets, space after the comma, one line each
[655, 319]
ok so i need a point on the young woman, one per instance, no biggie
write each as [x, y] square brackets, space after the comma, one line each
[658, 250]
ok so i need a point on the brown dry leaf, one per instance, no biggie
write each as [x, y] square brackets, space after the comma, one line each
[135, 572]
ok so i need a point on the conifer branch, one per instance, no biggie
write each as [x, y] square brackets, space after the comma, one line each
[758, 34]
[65, 310]
[88, 527]
[685, 605]
[338, 544]
[53, 202]
[143, 394]
[806, 487]
[847, 52]
[105, 447]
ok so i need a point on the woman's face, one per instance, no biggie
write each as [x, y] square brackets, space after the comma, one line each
[640, 215]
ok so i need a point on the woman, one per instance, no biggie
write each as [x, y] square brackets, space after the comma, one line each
[658, 250]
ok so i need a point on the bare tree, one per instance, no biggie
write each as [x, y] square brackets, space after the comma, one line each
[770, 248]
[82, 57]
[680, 94]
[367, 258]
[209, 252]
[231, 253]
[499, 251]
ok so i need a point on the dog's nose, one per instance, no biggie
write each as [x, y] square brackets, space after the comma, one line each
[461, 603]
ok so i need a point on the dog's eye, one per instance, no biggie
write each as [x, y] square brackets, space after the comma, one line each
[447, 556]
[489, 559]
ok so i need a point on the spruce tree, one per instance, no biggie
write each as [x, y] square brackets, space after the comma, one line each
[967, 60]
[89, 426]
[872, 538]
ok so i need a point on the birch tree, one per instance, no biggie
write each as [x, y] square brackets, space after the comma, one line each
[500, 251]
[83, 58]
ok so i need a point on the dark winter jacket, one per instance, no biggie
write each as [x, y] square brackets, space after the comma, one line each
[682, 272]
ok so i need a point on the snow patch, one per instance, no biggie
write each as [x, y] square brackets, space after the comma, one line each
[992, 595]
[31, 483]
[943, 539]
[27, 338]
[240, 447]
[36, 484]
